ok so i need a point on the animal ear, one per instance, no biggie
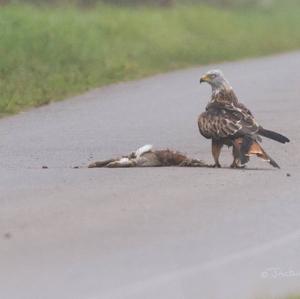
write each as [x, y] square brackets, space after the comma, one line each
[144, 149]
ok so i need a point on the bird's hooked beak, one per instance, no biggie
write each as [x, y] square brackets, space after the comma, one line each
[204, 78]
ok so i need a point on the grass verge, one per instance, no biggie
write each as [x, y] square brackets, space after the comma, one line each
[48, 53]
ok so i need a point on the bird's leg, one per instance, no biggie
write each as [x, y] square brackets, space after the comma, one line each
[236, 164]
[236, 157]
[216, 150]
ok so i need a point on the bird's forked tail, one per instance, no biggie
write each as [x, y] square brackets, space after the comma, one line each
[249, 147]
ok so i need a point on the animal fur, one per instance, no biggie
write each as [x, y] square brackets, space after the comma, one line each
[145, 156]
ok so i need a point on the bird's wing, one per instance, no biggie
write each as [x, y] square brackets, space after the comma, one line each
[223, 122]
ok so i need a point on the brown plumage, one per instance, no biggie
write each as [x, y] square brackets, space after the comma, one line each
[228, 122]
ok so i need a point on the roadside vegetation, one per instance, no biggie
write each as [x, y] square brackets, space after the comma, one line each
[48, 52]
[293, 297]
[289, 297]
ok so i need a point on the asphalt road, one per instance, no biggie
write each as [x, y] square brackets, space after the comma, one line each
[155, 233]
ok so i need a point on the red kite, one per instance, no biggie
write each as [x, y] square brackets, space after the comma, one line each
[226, 121]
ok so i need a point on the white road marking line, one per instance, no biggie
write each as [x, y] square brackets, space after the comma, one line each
[179, 274]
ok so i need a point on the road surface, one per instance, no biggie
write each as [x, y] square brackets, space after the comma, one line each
[156, 233]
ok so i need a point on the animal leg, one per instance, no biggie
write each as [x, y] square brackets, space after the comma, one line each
[216, 150]
[123, 162]
[101, 163]
[192, 163]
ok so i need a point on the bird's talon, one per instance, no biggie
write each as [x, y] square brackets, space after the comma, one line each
[235, 166]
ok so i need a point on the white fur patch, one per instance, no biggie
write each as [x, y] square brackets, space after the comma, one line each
[144, 149]
[124, 160]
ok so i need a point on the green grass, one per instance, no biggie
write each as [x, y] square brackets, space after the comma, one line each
[279, 297]
[48, 53]
[289, 297]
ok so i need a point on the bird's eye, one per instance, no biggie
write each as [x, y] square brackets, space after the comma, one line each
[213, 76]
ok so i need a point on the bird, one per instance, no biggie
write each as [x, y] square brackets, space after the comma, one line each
[226, 121]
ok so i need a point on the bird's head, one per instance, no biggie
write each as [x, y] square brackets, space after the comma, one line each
[216, 79]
